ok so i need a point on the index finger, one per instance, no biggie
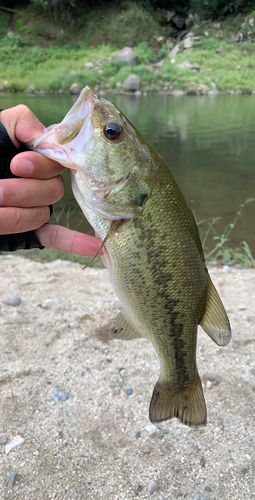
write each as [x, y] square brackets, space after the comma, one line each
[34, 165]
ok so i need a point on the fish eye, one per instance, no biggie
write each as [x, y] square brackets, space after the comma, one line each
[112, 131]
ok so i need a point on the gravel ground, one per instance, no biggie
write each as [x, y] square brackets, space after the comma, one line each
[98, 442]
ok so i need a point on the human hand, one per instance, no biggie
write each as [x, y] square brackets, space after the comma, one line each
[25, 201]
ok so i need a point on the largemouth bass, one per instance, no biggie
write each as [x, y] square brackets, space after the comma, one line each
[151, 246]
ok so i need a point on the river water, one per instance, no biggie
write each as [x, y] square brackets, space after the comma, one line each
[208, 143]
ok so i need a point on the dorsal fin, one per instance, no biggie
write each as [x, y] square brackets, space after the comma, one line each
[215, 321]
[123, 328]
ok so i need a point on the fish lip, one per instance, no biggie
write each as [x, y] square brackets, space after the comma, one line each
[80, 111]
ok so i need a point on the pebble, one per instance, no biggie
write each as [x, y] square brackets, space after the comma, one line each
[244, 470]
[152, 486]
[207, 488]
[252, 371]
[11, 475]
[151, 428]
[201, 496]
[3, 440]
[17, 440]
[138, 435]
[60, 395]
[209, 384]
[48, 303]
[194, 447]
[129, 391]
[12, 300]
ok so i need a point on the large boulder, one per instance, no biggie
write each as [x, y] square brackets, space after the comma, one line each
[132, 82]
[127, 56]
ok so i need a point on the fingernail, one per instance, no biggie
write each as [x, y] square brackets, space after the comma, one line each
[22, 167]
[1, 195]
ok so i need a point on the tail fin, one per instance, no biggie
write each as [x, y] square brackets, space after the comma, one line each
[187, 405]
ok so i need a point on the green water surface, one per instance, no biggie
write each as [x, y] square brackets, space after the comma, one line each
[208, 143]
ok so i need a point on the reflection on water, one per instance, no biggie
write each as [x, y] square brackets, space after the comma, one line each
[207, 142]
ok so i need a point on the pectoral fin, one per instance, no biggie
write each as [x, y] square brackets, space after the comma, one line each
[215, 321]
[123, 328]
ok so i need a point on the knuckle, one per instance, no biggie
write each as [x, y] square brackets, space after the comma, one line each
[59, 191]
[17, 219]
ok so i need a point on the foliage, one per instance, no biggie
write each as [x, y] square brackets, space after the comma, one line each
[221, 251]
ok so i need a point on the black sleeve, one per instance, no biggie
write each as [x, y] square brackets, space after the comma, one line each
[12, 242]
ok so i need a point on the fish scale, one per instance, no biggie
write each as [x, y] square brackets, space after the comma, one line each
[151, 246]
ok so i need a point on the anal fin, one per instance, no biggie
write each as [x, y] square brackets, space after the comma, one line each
[123, 328]
[188, 405]
[215, 321]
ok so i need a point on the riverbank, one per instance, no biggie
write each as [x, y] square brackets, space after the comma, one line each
[207, 58]
[97, 442]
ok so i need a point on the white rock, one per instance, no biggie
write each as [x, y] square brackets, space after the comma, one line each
[48, 303]
[188, 43]
[209, 384]
[177, 92]
[206, 33]
[174, 51]
[12, 300]
[15, 442]
[151, 428]
[88, 65]
[152, 486]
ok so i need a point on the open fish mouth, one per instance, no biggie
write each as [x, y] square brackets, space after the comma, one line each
[62, 142]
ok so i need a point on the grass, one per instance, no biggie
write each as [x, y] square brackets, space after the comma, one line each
[50, 53]
[222, 252]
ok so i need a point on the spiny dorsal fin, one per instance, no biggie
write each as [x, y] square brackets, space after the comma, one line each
[123, 328]
[187, 405]
[215, 321]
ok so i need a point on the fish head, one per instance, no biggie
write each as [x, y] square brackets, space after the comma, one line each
[111, 162]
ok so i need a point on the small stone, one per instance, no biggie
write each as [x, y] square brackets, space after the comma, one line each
[3, 440]
[132, 82]
[88, 65]
[173, 53]
[138, 435]
[208, 384]
[60, 395]
[188, 43]
[201, 496]
[244, 470]
[152, 486]
[207, 488]
[11, 475]
[17, 440]
[178, 21]
[129, 391]
[221, 50]
[202, 462]
[111, 459]
[195, 448]
[253, 371]
[48, 303]
[150, 428]
[75, 89]
[12, 300]
[206, 33]
[241, 307]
